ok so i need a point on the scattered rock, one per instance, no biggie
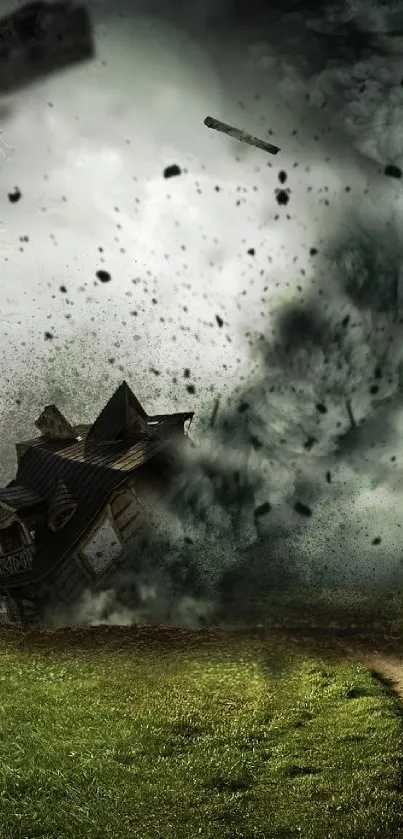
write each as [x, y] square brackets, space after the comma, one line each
[392, 171]
[282, 196]
[256, 442]
[15, 196]
[262, 509]
[172, 171]
[103, 276]
[302, 509]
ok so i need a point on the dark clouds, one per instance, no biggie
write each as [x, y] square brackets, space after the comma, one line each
[302, 254]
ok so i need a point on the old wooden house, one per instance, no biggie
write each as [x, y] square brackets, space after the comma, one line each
[80, 492]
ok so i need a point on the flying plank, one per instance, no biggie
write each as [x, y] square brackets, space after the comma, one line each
[240, 135]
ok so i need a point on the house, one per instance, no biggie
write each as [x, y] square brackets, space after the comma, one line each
[79, 493]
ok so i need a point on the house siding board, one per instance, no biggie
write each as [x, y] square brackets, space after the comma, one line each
[130, 528]
[128, 511]
[70, 579]
[120, 505]
[124, 499]
[65, 572]
[125, 516]
[30, 610]
[9, 612]
[72, 592]
[82, 570]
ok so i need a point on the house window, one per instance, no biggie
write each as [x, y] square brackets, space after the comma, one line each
[11, 539]
[102, 548]
[59, 518]
[127, 512]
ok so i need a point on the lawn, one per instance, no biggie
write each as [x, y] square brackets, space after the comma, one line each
[178, 734]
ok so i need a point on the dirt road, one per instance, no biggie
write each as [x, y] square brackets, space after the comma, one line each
[382, 654]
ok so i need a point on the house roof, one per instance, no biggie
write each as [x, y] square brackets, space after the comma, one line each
[122, 409]
[88, 468]
[51, 422]
[19, 497]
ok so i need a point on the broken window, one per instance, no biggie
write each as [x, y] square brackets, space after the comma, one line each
[11, 539]
[102, 548]
[59, 518]
[126, 510]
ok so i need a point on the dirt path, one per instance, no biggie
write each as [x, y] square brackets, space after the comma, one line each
[382, 654]
[388, 665]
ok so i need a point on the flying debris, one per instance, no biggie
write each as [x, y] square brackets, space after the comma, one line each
[80, 492]
[214, 412]
[240, 135]
[41, 38]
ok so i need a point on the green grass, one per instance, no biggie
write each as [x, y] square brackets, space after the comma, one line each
[175, 734]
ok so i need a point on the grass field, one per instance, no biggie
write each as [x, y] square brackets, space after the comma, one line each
[163, 733]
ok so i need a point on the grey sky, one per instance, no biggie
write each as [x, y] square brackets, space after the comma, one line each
[87, 149]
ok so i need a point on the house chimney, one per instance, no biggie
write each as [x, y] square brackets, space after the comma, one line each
[52, 423]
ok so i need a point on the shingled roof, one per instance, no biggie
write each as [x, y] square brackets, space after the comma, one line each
[87, 468]
[19, 497]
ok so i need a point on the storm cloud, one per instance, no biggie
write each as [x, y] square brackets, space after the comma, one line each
[266, 292]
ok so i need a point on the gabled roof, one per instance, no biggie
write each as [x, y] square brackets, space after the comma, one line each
[52, 423]
[120, 412]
